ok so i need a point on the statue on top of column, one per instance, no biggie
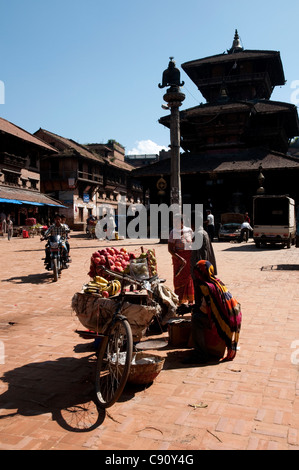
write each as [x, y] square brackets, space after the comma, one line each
[171, 76]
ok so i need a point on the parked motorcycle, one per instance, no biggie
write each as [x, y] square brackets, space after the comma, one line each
[56, 255]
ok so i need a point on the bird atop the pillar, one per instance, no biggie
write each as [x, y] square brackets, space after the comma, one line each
[171, 76]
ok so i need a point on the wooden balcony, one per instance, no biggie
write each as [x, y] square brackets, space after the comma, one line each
[65, 175]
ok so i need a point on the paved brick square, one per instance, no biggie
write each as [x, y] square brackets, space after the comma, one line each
[46, 374]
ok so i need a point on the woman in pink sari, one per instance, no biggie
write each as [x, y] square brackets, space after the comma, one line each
[179, 246]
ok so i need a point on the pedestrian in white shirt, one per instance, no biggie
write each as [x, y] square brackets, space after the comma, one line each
[210, 225]
[245, 228]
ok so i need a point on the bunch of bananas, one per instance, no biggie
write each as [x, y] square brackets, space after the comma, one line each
[96, 286]
[152, 262]
[100, 285]
[113, 287]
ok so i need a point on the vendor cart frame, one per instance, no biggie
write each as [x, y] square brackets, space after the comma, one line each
[114, 360]
[114, 356]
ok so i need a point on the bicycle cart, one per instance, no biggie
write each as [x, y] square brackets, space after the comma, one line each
[116, 323]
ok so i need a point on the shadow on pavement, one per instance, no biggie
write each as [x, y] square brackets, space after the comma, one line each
[63, 387]
[175, 360]
[31, 278]
[281, 267]
[250, 247]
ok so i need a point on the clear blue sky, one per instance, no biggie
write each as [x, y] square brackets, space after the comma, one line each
[89, 70]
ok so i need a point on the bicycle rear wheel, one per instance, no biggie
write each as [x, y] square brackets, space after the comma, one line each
[114, 362]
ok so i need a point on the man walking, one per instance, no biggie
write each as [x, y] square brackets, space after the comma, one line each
[210, 225]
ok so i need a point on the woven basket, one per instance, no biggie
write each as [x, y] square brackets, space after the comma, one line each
[95, 312]
[145, 373]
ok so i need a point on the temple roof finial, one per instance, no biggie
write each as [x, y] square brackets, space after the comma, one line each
[236, 47]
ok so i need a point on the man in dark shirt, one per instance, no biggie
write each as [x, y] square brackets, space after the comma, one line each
[55, 229]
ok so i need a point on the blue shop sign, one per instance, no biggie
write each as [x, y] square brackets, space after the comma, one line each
[85, 197]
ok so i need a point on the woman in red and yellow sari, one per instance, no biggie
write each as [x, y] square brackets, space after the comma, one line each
[216, 317]
[179, 246]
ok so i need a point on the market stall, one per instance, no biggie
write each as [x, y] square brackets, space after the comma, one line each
[116, 306]
[139, 267]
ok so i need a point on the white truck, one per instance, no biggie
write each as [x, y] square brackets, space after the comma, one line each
[274, 220]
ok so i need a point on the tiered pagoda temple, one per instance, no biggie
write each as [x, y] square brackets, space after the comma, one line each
[235, 135]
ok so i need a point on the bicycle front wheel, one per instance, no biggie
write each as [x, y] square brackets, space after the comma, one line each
[113, 364]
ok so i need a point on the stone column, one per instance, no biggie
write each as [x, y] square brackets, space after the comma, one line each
[174, 98]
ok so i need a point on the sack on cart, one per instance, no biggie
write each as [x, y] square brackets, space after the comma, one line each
[94, 313]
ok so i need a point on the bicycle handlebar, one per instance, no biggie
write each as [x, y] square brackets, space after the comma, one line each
[131, 280]
[120, 276]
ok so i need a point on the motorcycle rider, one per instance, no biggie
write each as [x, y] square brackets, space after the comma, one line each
[55, 229]
[67, 228]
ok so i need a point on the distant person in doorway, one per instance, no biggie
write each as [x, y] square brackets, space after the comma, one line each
[246, 218]
[210, 225]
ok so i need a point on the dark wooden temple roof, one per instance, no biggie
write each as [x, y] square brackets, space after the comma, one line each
[258, 106]
[222, 162]
[194, 68]
[261, 107]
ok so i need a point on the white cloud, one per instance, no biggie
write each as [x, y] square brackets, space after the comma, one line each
[145, 147]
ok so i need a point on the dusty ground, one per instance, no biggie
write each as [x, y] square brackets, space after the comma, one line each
[46, 380]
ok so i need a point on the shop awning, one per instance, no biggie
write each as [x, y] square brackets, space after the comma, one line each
[32, 198]
[41, 204]
[32, 203]
[11, 201]
[54, 205]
